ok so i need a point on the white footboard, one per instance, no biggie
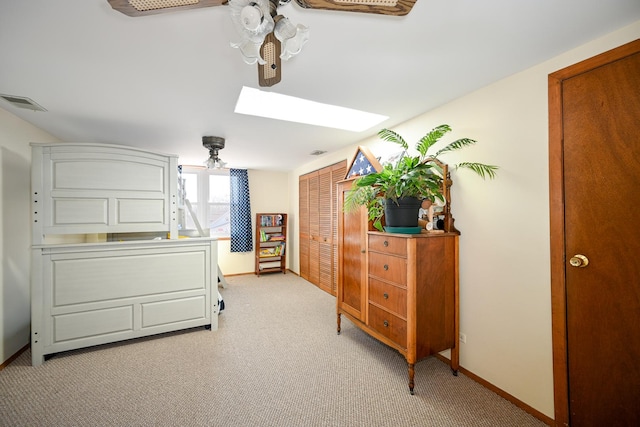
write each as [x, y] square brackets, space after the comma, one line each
[90, 294]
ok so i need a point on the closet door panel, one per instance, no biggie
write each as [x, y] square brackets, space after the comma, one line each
[303, 214]
[318, 226]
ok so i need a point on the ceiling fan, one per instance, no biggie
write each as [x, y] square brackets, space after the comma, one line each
[214, 144]
[267, 37]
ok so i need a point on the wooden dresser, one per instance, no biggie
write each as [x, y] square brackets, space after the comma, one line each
[410, 298]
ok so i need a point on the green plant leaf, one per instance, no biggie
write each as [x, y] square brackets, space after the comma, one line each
[391, 136]
[485, 171]
[455, 145]
[431, 138]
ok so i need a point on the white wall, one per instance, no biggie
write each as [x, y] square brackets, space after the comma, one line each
[505, 295]
[15, 235]
[269, 192]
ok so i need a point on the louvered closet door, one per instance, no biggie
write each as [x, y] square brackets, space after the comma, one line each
[318, 226]
[325, 243]
[303, 214]
[314, 229]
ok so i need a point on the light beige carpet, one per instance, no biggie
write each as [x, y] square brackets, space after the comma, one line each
[276, 360]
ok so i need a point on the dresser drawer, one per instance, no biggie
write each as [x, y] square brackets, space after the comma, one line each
[391, 268]
[388, 325]
[388, 245]
[390, 297]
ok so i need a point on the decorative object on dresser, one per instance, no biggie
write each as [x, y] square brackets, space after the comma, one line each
[415, 177]
[318, 218]
[134, 282]
[271, 243]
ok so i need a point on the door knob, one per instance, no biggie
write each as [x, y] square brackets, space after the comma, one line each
[579, 260]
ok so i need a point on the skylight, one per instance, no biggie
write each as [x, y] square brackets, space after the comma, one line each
[255, 102]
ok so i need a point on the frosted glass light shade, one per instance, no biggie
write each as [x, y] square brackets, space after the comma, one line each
[250, 52]
[292, 37]
[253, 21]
[212, 163]
[251, 17]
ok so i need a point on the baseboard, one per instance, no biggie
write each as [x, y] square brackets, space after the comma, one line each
[14, 357]
[252, 273]
[486, 384]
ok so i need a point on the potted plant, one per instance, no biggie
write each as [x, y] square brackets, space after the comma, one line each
[406, 183]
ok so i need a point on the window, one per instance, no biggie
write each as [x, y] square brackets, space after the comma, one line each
[208, 193]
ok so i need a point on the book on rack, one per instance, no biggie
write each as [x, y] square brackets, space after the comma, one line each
[267, 252]
[272, 251]
[269, 264]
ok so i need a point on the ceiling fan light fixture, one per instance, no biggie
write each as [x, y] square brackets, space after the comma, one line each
[258, 24]
[251, 17]
[215, 163]
[250, 52]
[214, 144]
[253, 21]
[292, 37]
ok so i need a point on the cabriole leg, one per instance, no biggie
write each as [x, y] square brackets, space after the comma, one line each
[411, 375]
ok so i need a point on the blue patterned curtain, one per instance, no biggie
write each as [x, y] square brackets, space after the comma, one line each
[240, 207]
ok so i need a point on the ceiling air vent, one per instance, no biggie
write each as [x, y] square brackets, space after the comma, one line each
[22, 102]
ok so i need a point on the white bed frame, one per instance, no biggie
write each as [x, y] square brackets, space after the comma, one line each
[85, 294]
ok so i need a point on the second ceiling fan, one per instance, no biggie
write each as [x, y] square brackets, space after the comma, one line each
[267, 37]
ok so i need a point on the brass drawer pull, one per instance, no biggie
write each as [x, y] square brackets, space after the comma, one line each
[386, 243]
[386, 267]
[385, 295]
[386, 324]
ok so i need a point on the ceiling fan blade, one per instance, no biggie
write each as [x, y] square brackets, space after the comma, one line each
[271, 72]
[385, 7]
[150, 7]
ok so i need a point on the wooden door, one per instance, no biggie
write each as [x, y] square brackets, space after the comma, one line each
[314, 228]
[318, 226]
[595, 207]
[303, 213]
[338, 173]
[352, 272]
[325, 245]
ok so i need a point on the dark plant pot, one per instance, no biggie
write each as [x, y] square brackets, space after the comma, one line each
[402, 214]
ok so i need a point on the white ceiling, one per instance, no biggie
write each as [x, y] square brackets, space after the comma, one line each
[163, 81]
